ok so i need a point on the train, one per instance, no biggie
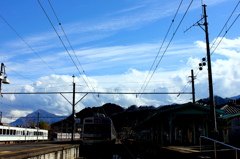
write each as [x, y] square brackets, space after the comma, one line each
[64, 136]
[11, 134]
[98, 129]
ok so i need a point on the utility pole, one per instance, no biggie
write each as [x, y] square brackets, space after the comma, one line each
[0, 117]
[211, 96]
[73, 107]
[37, 124]
[193, 87]
[210, 85]
[73, 110]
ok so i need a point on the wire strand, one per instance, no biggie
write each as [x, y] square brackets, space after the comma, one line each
[167, 46]
[161, 47]
[63, 42]
[26, 43]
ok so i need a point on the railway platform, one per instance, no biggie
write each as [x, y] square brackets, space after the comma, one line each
[150, 150]
[49, 150]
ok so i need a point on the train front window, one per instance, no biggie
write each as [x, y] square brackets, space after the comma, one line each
[97, 129]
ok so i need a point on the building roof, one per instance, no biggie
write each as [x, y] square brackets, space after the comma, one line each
[188, 109]
[230, 109]
[230, 116]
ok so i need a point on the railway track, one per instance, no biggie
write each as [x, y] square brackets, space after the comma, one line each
[114, 151]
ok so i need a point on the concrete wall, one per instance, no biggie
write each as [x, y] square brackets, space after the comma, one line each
[66, 152]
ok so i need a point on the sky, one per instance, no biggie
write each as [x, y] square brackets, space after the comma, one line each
[132, 46]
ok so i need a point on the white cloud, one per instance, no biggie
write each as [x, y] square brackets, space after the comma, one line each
[15, 114]
[225, 78]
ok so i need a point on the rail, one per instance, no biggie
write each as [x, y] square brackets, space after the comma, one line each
[215, 147]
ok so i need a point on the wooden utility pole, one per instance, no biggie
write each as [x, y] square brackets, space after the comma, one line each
[210, 85]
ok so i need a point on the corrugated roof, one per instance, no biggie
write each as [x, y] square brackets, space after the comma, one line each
[230, 109]
[229, 116]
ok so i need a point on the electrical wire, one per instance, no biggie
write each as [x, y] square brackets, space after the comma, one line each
[64, 46]
[167, 46]
[27, 44]
[161, 46]
[197, 71]
[88, 81]
[59, 37]
[19, 74]
[225, 33]
[225, 26]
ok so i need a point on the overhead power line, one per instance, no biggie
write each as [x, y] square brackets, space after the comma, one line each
[27, 44]
[167, 46]
[88, 81]
[97, 92]
[225, 26]
[19, 74]
[65, 45]
[197, 70]
[59, 36]
[160, 48]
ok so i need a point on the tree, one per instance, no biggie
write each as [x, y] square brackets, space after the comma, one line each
[44, 125]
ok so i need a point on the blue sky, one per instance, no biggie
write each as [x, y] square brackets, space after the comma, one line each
[114, 46]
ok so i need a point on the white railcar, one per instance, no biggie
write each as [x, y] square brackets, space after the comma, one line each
[20, 134]
[65, 136]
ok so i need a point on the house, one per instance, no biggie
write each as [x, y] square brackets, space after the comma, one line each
[230, 123]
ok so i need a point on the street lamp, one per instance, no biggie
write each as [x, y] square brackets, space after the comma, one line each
[3, 80]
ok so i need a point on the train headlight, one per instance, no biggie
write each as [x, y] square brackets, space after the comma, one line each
[96, 120]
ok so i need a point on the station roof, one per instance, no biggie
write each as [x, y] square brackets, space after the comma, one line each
[187, 109]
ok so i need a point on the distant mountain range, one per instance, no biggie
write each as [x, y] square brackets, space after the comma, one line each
[36, 116]
[221, 101]
[109, 109]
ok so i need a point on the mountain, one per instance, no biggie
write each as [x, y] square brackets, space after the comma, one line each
[33, 118]
[235, 97]
[218, 100]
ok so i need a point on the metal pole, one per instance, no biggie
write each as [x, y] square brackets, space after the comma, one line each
[236, 154]
[200, 144]
[215, 150]
[1, 73]
[37, 124]
[193, 88]
[73, 109]
[0, 117]
[211, 97]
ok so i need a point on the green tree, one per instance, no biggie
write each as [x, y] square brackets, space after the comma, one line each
[44, 125]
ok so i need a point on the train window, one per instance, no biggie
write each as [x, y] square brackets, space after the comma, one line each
[106, 121]
[88, 121]
[4, 131]
[97, 128]
[0, 131]
[11, 132]
[7, 132]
